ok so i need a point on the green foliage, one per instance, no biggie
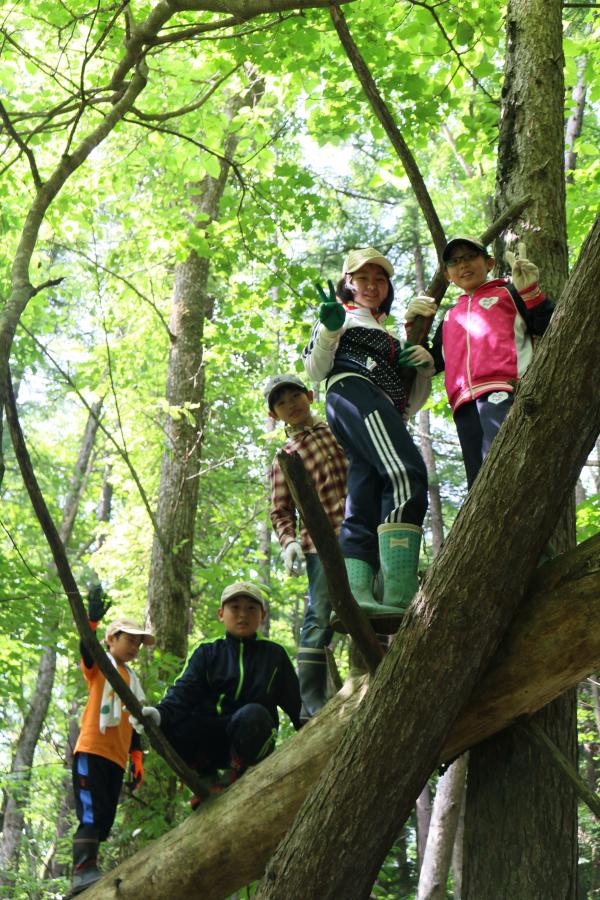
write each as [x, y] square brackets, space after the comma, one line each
[314, 175]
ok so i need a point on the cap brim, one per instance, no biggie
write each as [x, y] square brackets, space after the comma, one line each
[147, 638]
[375, 260]
[477, 245]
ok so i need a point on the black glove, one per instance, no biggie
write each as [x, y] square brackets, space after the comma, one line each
[97, 606]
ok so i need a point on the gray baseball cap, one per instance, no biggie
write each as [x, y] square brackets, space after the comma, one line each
[472, 242]
[276, 381]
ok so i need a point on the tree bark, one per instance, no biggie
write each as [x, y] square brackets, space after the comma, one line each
[442, 830]
[17, 796]
[169, 585]
[552, 642]
[520, 817]
[531, 139]
[463, 608]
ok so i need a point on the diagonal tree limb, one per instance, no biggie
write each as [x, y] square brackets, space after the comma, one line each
[321, 531]
[57, 548]
[537, 734]
[382, 111]
[437, 286]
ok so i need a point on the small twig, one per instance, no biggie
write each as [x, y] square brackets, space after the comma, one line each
[52, 282]
[23, 146]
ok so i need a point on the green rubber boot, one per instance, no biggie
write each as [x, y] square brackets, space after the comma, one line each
[399, 546]
[384, 619]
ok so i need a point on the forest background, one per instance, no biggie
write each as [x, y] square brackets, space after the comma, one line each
[172, 212]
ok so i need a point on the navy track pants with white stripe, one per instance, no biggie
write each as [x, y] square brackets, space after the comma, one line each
[387, 478]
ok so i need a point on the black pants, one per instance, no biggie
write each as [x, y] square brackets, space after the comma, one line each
[477, 424]
[96, 784]
[208, 742]
[387, 478]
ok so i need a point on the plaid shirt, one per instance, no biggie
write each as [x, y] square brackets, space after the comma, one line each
[326, 465]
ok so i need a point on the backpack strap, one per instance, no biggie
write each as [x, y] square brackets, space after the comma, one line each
[520, 304]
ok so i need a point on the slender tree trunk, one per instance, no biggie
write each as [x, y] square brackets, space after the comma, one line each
[169, 586]
[52, 867]
[436, 517]
[423, 810]
[16, 798]
[575, 120]
[458, 849]
[442, 831]
[425, 441]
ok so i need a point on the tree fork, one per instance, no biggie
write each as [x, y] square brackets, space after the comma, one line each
[456, 622]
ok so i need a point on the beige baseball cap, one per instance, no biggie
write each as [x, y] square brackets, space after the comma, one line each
[364, 255]
[130, 627]
[243, 589]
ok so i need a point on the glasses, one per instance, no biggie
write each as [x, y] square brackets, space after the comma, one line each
[457, 260]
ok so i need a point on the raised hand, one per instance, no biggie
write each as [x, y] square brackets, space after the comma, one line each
[523, 272]
[331, 313]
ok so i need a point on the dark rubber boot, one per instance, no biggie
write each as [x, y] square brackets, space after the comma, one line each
[85, 859]
[312, 675]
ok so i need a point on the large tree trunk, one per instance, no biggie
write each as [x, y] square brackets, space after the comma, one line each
[521, 815]
[460, 614]
[16, 798]
[551, 644]
[169, 585]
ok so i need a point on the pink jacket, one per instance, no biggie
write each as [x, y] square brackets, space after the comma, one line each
[485, 342]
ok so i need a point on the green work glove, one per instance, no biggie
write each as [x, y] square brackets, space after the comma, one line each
[97, 606]
[331, 313]
[415, 356]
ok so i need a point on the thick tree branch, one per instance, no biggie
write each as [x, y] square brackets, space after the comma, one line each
[462, 611]
[321, 531]
[382, 111]
[238, 11]
[228, 842]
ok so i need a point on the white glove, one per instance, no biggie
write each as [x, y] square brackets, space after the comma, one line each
[149, 712]
[420, 306]
[523, 272]
[292, 558]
